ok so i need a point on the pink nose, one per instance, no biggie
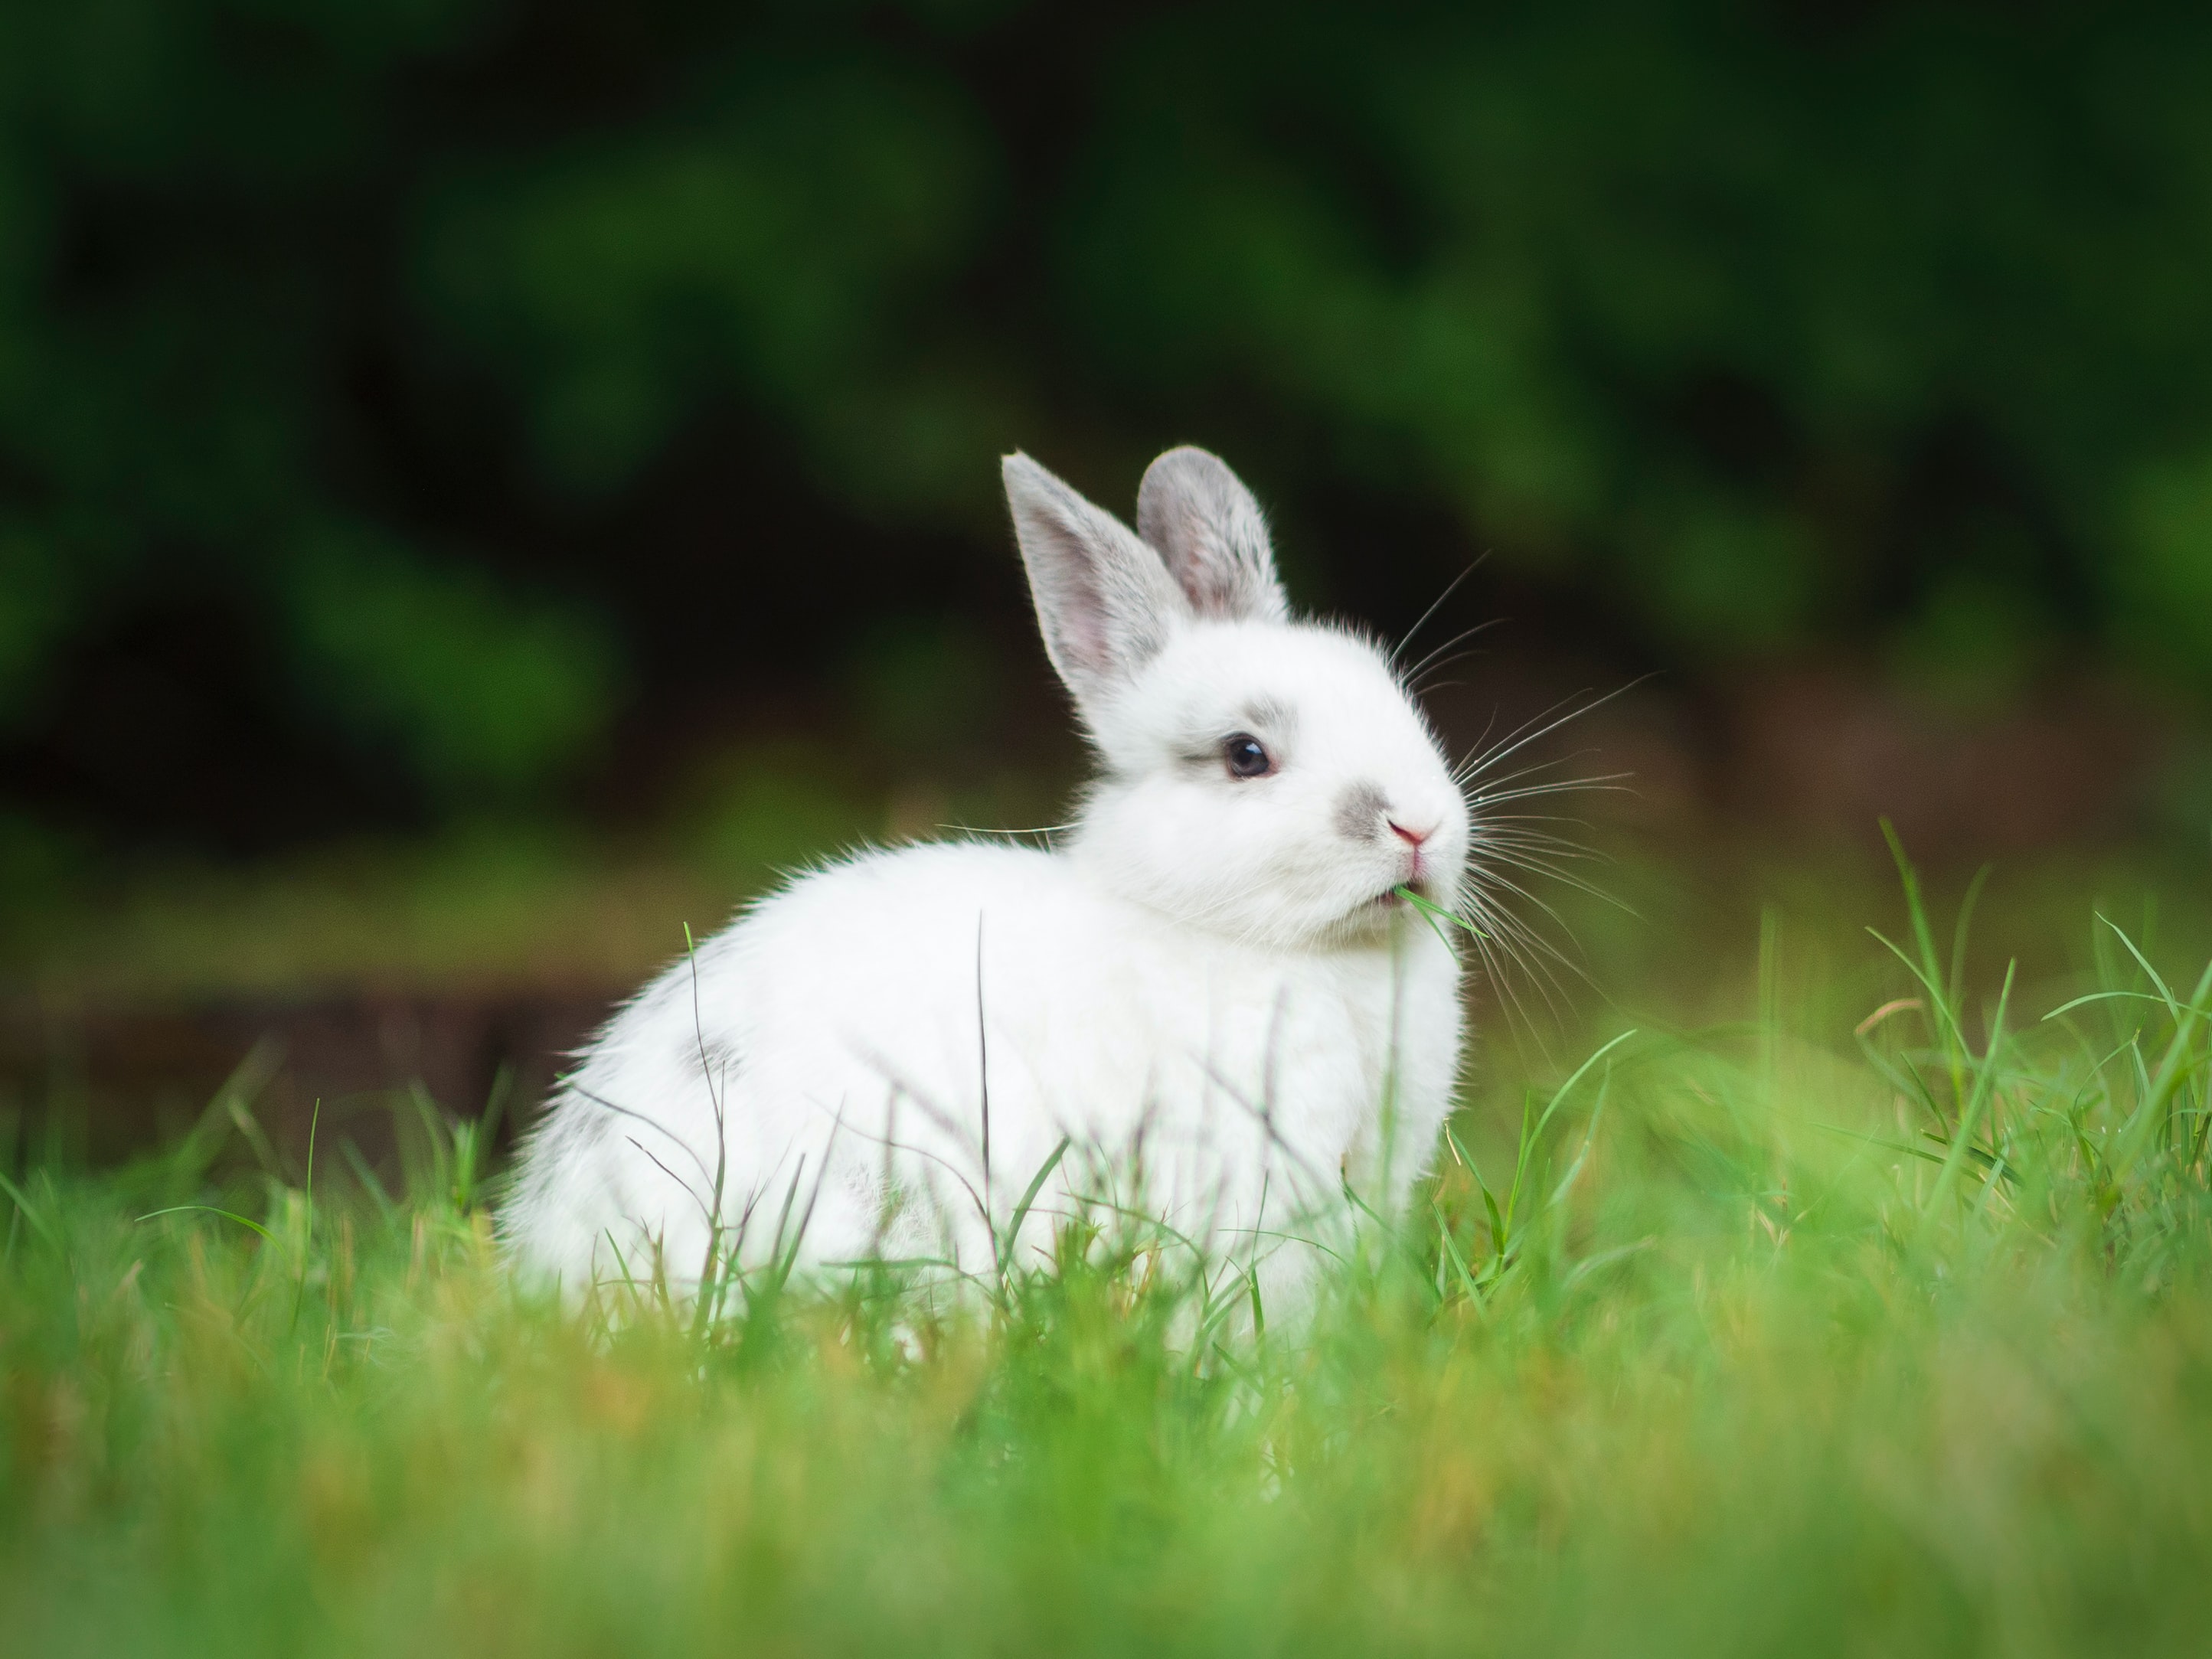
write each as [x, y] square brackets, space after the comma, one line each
[1412, 838]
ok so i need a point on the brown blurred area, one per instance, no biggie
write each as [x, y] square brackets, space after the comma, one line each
[118, 1030]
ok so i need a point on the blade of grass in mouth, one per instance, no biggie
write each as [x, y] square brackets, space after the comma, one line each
[1435, 913]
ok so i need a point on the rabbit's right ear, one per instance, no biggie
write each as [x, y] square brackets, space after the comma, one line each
[1212, 536]
[1105, 602]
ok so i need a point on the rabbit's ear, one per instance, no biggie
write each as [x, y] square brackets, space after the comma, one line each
[1104, 598]
[1212, 535]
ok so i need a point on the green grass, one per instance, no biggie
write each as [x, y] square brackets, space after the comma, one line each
[1762, 1338]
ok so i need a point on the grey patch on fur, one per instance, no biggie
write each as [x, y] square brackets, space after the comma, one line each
[1209, 531]
[716, 1058]
[1270, 716]
[594, 1128]
[1359, 811]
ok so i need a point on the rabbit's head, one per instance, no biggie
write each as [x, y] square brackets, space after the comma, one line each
[1262, 777]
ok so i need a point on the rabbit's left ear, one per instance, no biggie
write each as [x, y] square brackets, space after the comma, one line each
[1105, 603]
[1205, 525]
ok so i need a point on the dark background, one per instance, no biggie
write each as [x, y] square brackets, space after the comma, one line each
[515, 418]
[434, 407]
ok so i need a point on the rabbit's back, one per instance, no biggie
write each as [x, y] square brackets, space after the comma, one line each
[893, 1046]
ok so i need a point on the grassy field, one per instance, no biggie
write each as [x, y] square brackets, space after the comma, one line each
[1772, 1336]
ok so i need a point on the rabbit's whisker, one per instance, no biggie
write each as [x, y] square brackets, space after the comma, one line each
[1410, 675]
[1610, 783]
[1437, 604]
[1521, 736]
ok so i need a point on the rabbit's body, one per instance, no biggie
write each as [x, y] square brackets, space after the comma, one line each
[845, 1028]
[1210, 991]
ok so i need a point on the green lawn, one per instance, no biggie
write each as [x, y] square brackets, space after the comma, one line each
[1763, 1338]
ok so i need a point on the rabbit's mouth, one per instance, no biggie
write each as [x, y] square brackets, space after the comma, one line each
[1392, 897]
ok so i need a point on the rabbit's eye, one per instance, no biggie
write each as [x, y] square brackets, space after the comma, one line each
[1247, 757]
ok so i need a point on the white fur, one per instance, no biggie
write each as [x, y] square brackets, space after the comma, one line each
[1198, 989]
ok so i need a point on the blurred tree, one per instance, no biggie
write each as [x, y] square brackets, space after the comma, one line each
[489, 356]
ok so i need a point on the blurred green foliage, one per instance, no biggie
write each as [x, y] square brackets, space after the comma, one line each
[1754, 323]
[484, 692]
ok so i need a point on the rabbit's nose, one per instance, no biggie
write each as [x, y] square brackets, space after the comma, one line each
[1414, 839]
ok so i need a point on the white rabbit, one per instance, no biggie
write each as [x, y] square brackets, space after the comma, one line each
[1208, 989]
